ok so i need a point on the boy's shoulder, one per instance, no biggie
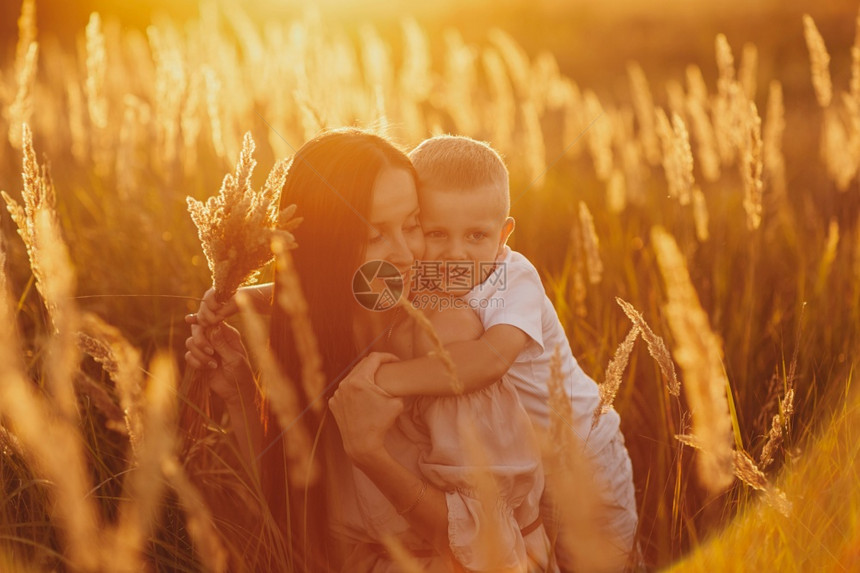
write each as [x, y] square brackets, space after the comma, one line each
[512, 274]
[515, 266]
[517, 258]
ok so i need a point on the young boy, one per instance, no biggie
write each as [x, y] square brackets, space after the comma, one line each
[464, 201]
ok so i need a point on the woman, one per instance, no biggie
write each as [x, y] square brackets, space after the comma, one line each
[357, 195]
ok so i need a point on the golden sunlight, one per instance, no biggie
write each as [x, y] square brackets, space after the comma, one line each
[390, 285]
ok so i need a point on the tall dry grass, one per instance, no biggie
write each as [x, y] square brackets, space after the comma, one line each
[821, 531]
[46, 420]
[757, 189]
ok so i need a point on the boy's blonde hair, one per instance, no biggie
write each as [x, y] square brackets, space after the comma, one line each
[458, 163]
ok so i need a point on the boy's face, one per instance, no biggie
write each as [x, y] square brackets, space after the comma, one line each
[468, 227]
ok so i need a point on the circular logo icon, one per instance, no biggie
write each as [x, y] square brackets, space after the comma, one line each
[377, 285]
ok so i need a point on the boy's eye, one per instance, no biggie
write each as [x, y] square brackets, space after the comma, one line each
[478, 236]
[434, 234]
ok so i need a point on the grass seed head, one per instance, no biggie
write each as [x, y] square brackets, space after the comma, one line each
[703, 132]
[616, 192]
[236, 226]
[819, 62]
[614, 373]
[725, 60]
[21, 109]
[677, 156]
[643, 104]
[772, 133]
[504, 110]
[700, 215]
[96, 71]
[598, 135]
[39, 228]
[854, 89]
[751, 169]
[746, 470]
[698, 351]
[748, 70]
[122, 361]
[591, 245]
[656, 346]
[26, 33]
[561, 424]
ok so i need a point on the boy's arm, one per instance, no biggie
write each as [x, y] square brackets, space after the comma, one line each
[478, 363]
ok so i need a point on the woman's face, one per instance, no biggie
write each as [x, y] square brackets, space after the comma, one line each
[395, 234]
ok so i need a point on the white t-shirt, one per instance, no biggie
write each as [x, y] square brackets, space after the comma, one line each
[513, 294]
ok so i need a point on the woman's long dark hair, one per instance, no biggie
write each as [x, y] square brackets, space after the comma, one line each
[330, 179]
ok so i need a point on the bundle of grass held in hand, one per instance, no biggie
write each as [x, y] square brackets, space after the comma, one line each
[237, 225]
[236, 228]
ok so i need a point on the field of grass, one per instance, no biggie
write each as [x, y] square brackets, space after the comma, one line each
[711, 182]
[821, 533]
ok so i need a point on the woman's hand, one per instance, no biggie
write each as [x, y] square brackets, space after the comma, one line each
[231, 380]
[363, 411]
[211, 312]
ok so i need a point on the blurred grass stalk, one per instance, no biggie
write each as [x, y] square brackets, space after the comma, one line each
[49, 426]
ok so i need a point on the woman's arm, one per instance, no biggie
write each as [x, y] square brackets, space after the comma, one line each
[364, 413]
[484, 529]
[422, 504]
[232, 381]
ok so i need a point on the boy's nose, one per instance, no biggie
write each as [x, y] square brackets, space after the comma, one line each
[455, 251]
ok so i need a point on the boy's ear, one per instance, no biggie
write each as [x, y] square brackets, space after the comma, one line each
[507, 229]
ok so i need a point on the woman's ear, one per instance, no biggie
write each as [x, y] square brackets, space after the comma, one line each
[507, 229]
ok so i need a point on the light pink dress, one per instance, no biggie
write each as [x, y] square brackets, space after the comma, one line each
[455, 443]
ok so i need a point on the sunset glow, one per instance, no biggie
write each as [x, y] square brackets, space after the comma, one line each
[684, 178]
